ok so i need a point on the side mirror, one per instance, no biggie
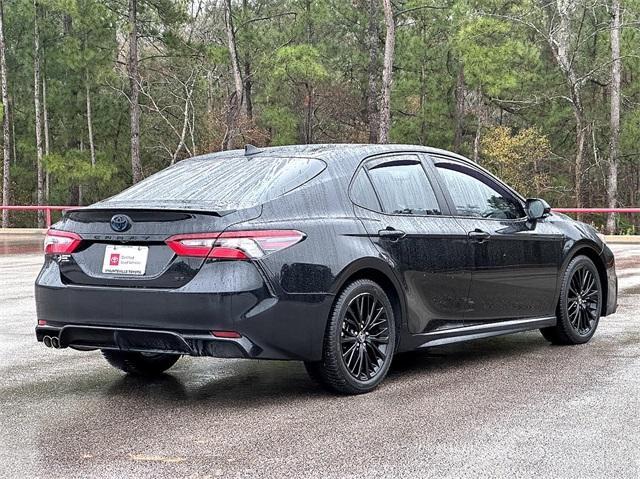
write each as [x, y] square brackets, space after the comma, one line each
[536, 208]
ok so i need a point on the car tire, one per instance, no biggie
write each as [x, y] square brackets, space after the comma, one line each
[359, 341]
[579, 306]
[140, 364]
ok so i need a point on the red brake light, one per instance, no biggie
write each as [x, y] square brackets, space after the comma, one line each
[225, 334]
[61, 242]
[234, 244]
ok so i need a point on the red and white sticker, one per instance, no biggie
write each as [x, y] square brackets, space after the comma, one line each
[126, 260]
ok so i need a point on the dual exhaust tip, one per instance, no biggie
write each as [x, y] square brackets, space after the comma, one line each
[51, 342]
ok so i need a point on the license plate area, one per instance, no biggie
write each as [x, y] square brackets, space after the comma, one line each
[125, 260]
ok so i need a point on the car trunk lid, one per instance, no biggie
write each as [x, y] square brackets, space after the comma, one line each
[100, 257]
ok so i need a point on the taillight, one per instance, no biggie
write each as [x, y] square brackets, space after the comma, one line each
[234, 244]
[226, 334]
[61, 242]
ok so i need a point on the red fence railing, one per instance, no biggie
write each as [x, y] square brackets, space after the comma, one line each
[597, 210]
[48, 209]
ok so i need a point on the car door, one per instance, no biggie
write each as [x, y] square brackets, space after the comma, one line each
[405, 217]
[515, 262]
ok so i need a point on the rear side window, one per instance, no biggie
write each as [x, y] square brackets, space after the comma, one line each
[230, 183]
[362, 192]
[403, 188]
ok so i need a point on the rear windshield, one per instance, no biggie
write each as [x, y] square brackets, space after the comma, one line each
[223, 184]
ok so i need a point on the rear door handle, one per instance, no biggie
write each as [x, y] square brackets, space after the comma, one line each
[479, 236]
[391, 233]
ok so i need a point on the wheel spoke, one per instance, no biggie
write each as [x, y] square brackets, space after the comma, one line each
[366, 362]
[583, 278]
[573, 316]
[379, 333]
[379, 340]
[374, 320]
[361, 309]
[350, 324]
[360, 359]
[586, 321]
[353, 316]
[590, 294]
[376, 351]
[589, 285]
[350, 350]
[575, 281]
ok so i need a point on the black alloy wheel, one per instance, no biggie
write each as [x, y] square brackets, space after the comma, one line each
[364, 339]
[583, 301]
[359, 342]
[579, 306]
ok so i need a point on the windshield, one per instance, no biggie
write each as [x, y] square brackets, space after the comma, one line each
[227, 183]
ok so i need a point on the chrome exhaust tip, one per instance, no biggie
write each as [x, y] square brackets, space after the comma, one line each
[55, 342]
[47, 341]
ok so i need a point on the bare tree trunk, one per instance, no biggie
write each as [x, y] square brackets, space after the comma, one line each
[248, 90]
[192, 132]
[13, 133]
[581, 137]
[92, 147]
[236, 99]
[308, 124]
[476, 141]
[185, 122]
[45, 116]
[616, 66]
[460, 94]
[38, 113]
[134, 94]
[6, 146]
[372, 71]
[248, 82]
[45, 122]
[559, 40]
[387, 73]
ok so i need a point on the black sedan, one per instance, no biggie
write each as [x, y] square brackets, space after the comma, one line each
[340, 256]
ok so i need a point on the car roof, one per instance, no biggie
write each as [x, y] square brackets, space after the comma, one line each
[352, 152]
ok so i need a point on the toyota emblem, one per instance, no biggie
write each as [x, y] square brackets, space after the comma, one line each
[120, 223]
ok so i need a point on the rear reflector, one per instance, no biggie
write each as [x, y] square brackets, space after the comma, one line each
[61, 242]
[42, 322]
[226, 334]
[234, 245]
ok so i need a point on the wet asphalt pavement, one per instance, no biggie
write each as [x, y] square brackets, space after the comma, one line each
[509, 406]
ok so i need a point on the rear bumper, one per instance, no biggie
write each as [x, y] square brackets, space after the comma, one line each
[149, 341]
[272, 324]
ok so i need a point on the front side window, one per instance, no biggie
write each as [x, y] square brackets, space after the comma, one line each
[403, 188]
[473, 197]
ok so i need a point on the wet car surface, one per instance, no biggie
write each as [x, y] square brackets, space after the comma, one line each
[508, 406]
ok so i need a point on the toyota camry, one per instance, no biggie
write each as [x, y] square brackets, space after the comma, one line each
[340, 256]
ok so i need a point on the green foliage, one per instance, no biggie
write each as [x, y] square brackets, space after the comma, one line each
[497, 57]
[306, 63]
[519, 159]
[298, 64]
[281, 123]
